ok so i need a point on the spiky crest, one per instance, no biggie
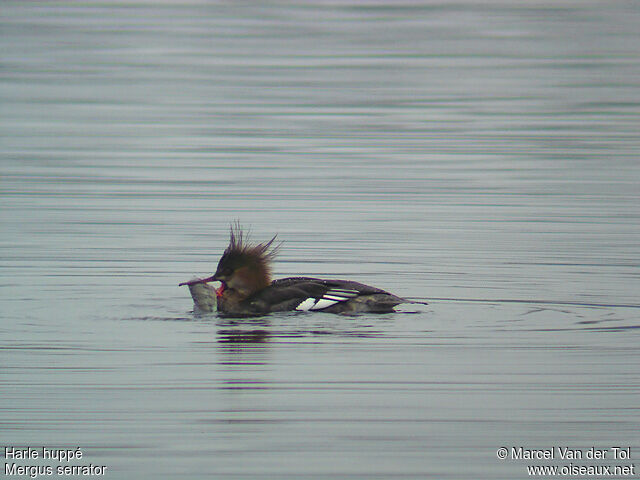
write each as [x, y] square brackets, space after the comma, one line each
[240, 253]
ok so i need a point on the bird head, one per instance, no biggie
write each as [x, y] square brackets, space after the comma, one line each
[244, 267]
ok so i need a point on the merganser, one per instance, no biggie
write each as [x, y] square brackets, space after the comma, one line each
[244, 271]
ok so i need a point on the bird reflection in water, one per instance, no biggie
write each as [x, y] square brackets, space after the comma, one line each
[243, 343]
[242, 336]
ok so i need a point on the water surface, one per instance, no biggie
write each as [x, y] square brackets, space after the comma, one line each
[482, 157]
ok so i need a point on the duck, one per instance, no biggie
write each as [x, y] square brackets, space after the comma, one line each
[246, 288]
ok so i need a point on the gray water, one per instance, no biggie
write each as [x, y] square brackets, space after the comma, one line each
[481, 156]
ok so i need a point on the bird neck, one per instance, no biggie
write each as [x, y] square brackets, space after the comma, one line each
[249, 279]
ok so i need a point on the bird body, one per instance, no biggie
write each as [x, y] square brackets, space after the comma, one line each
[244, 271]
[313, 294]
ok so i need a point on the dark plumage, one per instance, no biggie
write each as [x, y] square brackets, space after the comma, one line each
[247, 290]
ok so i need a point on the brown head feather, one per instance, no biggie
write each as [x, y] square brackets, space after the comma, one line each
[246, 267]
